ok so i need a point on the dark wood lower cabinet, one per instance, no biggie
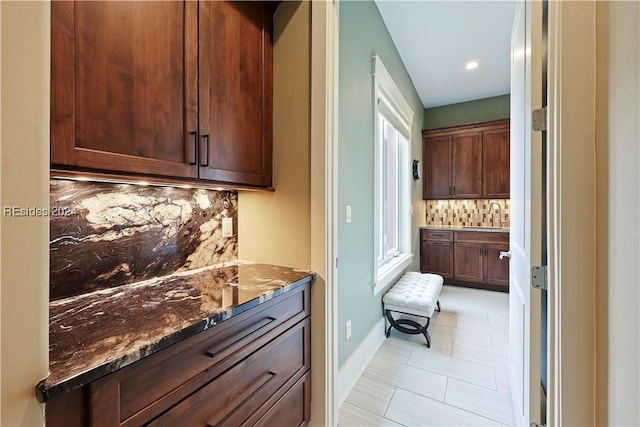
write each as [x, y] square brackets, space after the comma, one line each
[253, 369]
[468, 258]
[496, 270]
[436, 252]
[468, 262]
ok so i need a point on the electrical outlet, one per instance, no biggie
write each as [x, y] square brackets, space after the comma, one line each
[227, 227]
[347, 329]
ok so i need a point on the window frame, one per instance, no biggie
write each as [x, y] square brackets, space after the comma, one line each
[390, 104]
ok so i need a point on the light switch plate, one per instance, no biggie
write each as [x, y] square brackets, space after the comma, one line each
[227, 227]
[348, 214]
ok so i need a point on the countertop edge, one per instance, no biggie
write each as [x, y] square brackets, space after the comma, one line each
[477, 229]
[46, 392]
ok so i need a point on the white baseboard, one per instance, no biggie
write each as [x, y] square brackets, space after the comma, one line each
[358, 361]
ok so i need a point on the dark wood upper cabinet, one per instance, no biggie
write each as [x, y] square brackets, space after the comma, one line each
[436, 175]
[466, 165]
[163, 89]
[119, 97]
[466, 162]
[495, 163]
[235, 52]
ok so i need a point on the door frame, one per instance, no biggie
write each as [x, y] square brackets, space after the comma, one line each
[324, 215]
[571, 217]
[571, 214]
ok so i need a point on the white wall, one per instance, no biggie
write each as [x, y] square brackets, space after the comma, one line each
[618, 213]
[24, 182]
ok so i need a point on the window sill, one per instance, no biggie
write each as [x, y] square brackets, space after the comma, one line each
[390, 271]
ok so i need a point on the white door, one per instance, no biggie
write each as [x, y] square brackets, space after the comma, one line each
[526, 212]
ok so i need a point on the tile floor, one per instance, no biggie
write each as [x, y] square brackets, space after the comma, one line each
[461, 380]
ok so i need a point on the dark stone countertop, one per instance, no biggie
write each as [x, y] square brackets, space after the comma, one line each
[465, 228]
[95, 334]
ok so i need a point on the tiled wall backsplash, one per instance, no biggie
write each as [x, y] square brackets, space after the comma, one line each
[105, 235]
[469, 213]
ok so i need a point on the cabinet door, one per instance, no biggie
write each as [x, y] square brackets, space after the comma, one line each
[496, 270]
[495, 168]
[437, 257]
[468, 262]
[436, 168]
[235, 62]
[466, 165]
[123, 93]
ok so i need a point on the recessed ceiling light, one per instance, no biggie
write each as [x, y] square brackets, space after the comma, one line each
[471, 65]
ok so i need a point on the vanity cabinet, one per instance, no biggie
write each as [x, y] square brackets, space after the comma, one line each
[469, 258]
[436, 252]
[476, 258]
[252, 369]
[163, 90]
[466, 162]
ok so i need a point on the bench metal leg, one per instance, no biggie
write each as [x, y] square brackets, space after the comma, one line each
[416, 328]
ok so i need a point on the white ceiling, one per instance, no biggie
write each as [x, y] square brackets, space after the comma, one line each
[436, 39]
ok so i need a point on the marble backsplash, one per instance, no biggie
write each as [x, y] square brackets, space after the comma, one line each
[104, 235]
[468, 213]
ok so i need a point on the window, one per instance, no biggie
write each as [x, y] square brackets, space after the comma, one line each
[394, 119]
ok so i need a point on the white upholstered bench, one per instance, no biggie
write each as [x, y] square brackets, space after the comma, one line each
[416, 294]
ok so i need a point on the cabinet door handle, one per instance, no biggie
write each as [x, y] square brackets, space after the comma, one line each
[194, 139]
[257, 326]
[505, 254]
[205, 139]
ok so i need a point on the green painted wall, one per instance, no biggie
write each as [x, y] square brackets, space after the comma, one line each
[496, 107]
[363, 34]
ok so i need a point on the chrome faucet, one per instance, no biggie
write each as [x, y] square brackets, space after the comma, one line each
[499, 212]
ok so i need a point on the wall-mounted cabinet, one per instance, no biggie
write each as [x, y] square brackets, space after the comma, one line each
[181, 90]
[466, 162]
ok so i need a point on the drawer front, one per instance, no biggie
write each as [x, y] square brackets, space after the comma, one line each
[292, 409]
[244, 388]
[159, 381]
[481, 237]
[438, 235]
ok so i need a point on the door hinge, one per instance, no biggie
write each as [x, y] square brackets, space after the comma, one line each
[336, 262]
[539, 277]
[539, 119]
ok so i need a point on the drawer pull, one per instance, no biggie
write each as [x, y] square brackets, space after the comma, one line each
[266, 378]
[257, 326]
